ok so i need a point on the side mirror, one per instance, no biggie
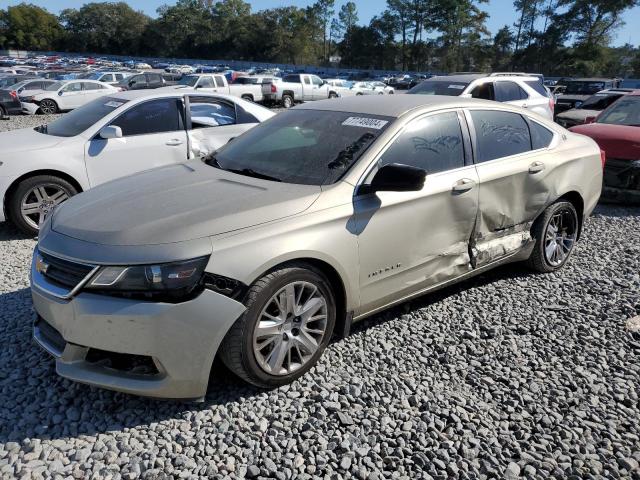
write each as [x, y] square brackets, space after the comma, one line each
[396, 177]
[110, 131]
[60, 93]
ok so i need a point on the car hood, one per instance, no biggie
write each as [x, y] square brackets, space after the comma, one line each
[26, 139]
[578, 114]
[618, 141]
[568, 98]
[178, 203]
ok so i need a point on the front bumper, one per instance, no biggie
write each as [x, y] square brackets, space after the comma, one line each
[30, 108]
[621, 181]
[180, 339]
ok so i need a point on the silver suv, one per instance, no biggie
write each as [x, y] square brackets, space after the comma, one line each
[321, 216]
[522, 90]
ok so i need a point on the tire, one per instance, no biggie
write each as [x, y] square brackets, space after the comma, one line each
[358, 94]
[240, 350]
[391, 92]
[248, 98]
[287, 101]
[48, 106]
[333, 95]
[57, 189]
[3, 113]
[554, 243]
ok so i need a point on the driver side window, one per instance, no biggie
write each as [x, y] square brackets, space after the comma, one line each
[154, 116]
[484, 91]
[433, 143]
[208, 112]
[73, 87]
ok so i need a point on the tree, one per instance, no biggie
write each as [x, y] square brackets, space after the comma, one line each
[322, 12]
[29, 27]
[502, 44]
[347, 20]
[106, 27]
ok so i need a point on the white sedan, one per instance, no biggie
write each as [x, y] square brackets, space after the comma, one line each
[66, 95]
[382, 87]
[112, 137]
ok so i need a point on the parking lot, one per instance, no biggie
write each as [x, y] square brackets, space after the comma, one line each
[506, 375]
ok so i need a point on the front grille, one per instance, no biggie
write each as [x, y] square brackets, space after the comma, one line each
[64, 272]
[50, 335]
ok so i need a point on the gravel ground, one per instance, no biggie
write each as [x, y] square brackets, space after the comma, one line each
[511, 374]
[26, 121]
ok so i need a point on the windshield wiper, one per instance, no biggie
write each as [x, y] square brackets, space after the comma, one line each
[252, 173]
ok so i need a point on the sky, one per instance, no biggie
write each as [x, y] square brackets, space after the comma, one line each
[501, 12]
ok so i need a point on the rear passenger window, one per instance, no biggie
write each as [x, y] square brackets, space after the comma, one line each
[433, 143]
[219, 82]
[209, 112]
[484, 91]
[499, 134]
[154, 116]
[206, 82]
[509, 92]
[540, 136]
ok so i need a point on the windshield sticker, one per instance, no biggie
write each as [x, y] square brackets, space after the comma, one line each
[365, 122]
[457, 87]
[114, 104]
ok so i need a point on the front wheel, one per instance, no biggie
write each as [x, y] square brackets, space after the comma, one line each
[287, 325]
[555, 233]
[48, 106]
[35, 198]
[333, 95]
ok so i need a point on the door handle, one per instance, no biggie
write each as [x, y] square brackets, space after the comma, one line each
[536, 167]
[174, 142]
[525, 106]
[463, 185]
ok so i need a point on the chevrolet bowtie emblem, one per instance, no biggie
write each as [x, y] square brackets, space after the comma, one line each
[41, 265]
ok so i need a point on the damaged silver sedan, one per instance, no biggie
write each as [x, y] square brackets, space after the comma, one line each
[319, 217]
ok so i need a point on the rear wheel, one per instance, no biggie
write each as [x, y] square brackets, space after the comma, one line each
[48, 107]
[287, 325]
[287, 101]
[555, 233]
[333, 95]
[3, 113]
[248, 98]
[35, 198]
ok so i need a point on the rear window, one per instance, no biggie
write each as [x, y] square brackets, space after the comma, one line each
[77, 121]
[537, 86]
[292, 79]
[499, 134]
[439, 87]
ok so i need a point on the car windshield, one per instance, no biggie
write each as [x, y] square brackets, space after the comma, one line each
[188, 80]
[599, 101]
[583, 88]
[625, 111]
[439, 87]
[54, 86]
[310, 147]
[78, 120]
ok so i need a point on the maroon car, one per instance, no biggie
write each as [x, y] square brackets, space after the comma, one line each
[617, 131]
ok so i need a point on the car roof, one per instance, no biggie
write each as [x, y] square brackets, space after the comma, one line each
[150, 94]
[592, 79]
[466, 77]
[392, 105]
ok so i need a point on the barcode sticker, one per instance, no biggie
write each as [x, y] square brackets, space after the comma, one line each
[365, 122]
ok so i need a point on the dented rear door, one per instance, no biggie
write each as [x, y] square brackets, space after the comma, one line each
[512, 188]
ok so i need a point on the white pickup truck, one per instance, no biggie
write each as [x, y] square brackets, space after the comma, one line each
[247, 88]
[298, 87]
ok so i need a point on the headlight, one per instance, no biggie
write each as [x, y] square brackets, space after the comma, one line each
[178, 278]
[577, 104]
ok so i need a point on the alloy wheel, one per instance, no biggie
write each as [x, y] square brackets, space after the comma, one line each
[290, 328]
[38, 202]
[48, 107]
[560, 236]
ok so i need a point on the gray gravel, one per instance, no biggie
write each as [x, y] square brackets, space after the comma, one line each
[508, 375]
[26, 121]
